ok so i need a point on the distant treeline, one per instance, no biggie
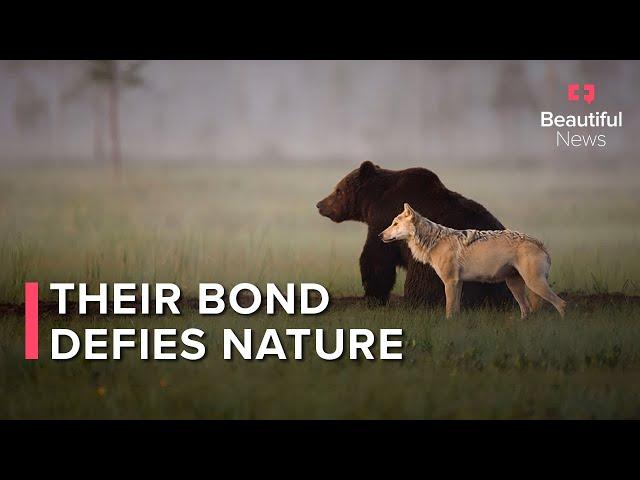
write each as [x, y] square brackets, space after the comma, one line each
[303, 111]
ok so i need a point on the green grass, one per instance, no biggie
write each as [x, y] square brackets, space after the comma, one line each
[485, 364]
[196, 224]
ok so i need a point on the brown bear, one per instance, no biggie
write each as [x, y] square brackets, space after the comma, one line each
[375, 195]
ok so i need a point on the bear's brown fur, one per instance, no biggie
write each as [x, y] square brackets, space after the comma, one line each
[375, 195]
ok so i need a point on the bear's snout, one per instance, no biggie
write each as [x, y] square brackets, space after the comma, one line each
[322, 208]
[327, 208]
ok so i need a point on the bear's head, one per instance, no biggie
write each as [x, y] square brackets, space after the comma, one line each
[344, 203]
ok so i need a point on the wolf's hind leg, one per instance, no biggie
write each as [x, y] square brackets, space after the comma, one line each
[518, 289]
[537, 282]
[535, 300]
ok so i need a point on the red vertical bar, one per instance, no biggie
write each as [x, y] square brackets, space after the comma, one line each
[31, 320]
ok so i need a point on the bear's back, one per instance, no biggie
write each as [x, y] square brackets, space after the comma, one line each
[424, 191]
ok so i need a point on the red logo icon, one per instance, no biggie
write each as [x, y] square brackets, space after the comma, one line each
[589, 92]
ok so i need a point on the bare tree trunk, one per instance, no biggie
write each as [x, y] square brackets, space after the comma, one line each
[98, 127]
[114, 124]
[551, 78]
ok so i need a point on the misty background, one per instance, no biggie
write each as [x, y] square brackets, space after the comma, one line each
[391, 112]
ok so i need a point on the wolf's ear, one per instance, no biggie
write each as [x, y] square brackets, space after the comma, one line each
[408, 210]
[367, 169]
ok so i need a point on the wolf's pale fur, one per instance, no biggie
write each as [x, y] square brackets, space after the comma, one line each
[477, 255]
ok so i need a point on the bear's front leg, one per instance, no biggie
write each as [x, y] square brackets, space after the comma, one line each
[378, 262]
[422, 285]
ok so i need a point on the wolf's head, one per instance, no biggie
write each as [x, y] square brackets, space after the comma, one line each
[403, 226]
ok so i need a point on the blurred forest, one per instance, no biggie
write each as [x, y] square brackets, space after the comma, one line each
[305, 111]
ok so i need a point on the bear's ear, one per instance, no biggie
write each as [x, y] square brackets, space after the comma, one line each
[367, 169]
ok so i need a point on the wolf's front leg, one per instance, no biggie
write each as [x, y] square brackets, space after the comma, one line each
[453, 291]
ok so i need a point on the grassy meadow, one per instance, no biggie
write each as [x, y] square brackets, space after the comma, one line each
[259, 224]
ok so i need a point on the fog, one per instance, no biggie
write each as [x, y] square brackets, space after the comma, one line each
[311, 111]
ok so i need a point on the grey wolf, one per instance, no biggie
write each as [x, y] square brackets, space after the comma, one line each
[486, 256]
